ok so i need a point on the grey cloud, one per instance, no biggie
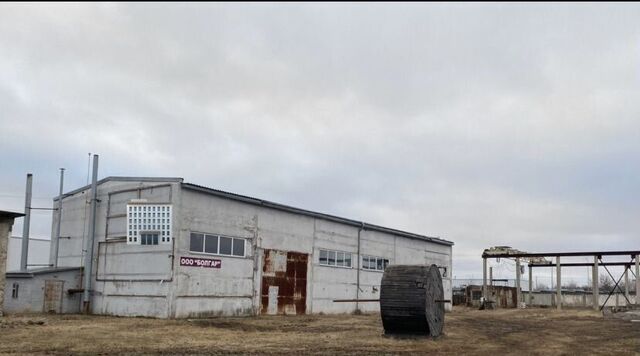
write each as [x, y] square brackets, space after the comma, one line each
[485, 124]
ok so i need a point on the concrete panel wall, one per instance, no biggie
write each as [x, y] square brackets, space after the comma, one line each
[127, 279]
[266, 228]
[578, 300]
[230, 289]
[31, 292]
[149, 280]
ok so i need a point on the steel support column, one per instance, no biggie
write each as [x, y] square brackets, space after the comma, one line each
[626, 283]
[518, 289]
[595, 290]
[530, 297]
[558, 283]
[484, 278]
[637, 279]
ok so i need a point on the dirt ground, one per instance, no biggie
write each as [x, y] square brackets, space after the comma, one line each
[467, 331]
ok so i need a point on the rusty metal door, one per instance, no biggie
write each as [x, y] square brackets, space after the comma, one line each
[53, 290]
[284, 282]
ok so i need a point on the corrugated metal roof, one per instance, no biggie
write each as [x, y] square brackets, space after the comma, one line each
[282, 207]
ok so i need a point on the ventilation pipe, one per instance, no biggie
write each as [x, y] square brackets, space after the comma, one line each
[26, 223]
[88, 260]
[56, 242]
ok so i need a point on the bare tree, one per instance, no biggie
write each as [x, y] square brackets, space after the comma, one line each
[606, 283]
[571, 285]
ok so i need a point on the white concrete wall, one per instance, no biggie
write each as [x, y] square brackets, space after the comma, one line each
[132, 280]
[579, 300]
[267, 228]
[31, 292]
[149, 281]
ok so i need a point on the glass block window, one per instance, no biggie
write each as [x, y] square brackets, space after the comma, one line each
[148, 224]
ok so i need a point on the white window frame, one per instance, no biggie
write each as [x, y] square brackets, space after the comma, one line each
[149, 218]
[375, 260]
[218, 236]
[336, 253]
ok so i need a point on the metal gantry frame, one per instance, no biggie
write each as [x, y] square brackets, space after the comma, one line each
[597, 262]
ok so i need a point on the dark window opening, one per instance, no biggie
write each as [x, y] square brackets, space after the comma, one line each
[149, 239]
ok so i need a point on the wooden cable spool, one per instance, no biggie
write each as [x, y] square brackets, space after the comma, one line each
[411, 300]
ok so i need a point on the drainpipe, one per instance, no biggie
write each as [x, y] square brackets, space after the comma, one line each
[56, 243]
[25, 226]
[358, 268]
[88, 260]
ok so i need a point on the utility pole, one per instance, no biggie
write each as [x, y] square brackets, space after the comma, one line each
[26, 223]
[88, 261]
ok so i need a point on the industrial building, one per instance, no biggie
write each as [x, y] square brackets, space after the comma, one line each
[169, 249]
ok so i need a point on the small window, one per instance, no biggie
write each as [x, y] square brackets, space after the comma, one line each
[323, 257]
[334, 258]
[374, 263]
[225, 245]
[211, 244]
[238, 247]
[340, 259]
[149, 239]
[197, 242]
[15, 290]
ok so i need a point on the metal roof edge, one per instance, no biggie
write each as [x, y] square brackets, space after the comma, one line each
[33, 272]
[123, 179]
[10, 214]
[291, 209]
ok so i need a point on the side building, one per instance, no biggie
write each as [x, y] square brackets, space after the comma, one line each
[169, 249]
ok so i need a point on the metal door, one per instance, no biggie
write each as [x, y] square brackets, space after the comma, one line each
[53, 290]
[284, 282]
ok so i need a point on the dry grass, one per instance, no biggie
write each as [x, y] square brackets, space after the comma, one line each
[531, 331]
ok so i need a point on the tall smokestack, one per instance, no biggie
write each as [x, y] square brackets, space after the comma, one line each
[26, 223]
[88, 260]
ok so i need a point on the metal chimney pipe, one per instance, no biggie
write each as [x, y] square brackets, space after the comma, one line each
[26, 223]
[56, 242]
[88, 260]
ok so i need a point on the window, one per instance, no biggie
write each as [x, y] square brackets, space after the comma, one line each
[211, 244]
[225, 246]
[148, 239]
[335, 258]
[216, 244]
[374, 263]
[197, 242]
[15, 290]
[145, 226]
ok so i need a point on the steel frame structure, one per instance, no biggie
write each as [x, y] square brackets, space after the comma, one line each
[597, 262]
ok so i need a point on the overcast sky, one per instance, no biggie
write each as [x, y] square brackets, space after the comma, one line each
[484, 124]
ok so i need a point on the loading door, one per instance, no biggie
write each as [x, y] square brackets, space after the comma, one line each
[53, 290]
[284, 282]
